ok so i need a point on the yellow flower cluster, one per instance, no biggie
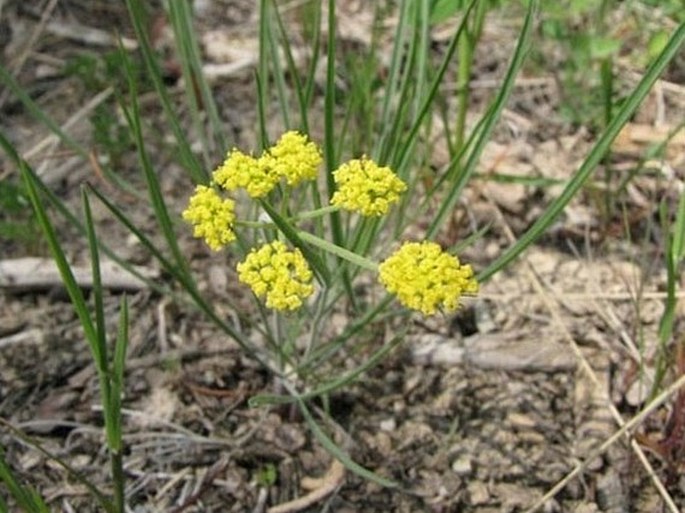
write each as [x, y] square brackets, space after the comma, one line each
[283, 276]
[293, 157]
[211, 216]
[246, 172]
[366, 187]
[426, 278]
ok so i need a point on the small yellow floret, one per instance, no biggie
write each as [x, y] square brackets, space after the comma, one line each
[283, 276]
[244, 171]
[212, 217]
[425, 278]
[366, 187]
[294, 157]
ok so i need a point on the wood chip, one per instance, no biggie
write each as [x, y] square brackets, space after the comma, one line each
[32, 274]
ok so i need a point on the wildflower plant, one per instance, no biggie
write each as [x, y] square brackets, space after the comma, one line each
[306, 215]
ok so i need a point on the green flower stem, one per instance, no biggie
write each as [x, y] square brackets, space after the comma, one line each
[255, 224]
[319, 212]
[312, 214]
[343, 253]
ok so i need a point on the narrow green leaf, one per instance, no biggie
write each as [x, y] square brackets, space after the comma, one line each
[339, 454]
[103, 501]
[97, 291]
[72, 287]
[293, 236]
[493, 113]
[140, 24]
[38, 113]
[181, 17]
[154, 190]
[334, 384]
[594, 157]
[26, 497]
[679, 231]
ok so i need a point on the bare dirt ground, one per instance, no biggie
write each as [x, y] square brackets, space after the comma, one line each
[484, 412]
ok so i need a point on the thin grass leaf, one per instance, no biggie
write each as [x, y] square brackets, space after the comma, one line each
[403, 155]
[139, 20]
[119, 365]
[116, 392]
[332, 385]
[181, 17]
[339, 454]
[491, 118]
[103, 501]
[293, 72]
[154, 190]
[25, 496]
[38, 113]
[262, 74]
[72, 287]
[97, 290]
[594, 157]
[278, 75]
[293, 236]
[678, 249]
[329, 125]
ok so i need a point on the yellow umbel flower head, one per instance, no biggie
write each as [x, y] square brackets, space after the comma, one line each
[283, 276]
[366, 187]
[212, 217]
[244, 171]
[294, 157]
[426, 278]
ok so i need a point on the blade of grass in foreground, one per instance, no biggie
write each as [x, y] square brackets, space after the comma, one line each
[110, 394]
[162, 216]
[338, 453]
[75, 293]
[198, 91]
[136, 11]
[594, 157]
[488, 126]
[25, 496]
[103, 502]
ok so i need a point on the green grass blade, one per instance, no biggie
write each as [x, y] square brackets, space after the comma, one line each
[97, 290]
[102, 501]
[292, 235]
[278, 75]
[332, 385]
[116, 391]
[139, 21]
[26, 498]
[119, 366]
[154, 190]
[491, 118]
[339, 454]
[329, 125]
[262, 74]
[38, 113]
[407, 144]
[72, 287]
[293, 72]
[181, 17]
[594, 157]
